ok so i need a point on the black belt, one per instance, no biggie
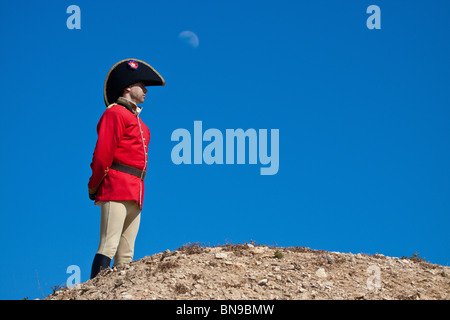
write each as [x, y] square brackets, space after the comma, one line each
[130, 170]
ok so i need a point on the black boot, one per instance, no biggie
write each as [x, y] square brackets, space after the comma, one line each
[100, 262]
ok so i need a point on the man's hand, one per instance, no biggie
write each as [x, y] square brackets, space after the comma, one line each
[92, 194]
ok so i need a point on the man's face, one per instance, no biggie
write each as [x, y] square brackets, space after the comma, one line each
[137, 92]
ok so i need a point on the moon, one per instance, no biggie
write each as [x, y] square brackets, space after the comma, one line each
[189, 38]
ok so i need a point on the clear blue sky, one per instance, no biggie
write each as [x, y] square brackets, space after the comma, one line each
[363, 118]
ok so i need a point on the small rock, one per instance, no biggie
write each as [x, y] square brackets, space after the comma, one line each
[127, 296]
[330, 261]
[258, 250]
[321, 273]
[262, 282]
[328, 284]
[221, 255]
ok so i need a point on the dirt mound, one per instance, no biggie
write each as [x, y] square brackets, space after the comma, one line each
[258, 272]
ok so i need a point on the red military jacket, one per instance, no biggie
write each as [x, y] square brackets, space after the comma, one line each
[122, 138]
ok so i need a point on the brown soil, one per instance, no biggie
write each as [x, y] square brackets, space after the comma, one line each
[257, 272]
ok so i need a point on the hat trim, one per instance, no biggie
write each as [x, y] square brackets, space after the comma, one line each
[107, 103]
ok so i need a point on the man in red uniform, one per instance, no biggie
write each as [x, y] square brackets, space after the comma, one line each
[119, 161]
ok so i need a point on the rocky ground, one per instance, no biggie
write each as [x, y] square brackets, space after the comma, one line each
[256, 272]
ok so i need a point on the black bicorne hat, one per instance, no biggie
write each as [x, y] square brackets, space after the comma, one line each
[126, 72]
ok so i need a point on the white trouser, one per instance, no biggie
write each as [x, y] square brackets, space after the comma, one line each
[119, 226]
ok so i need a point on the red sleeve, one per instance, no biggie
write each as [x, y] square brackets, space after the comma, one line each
[110, 130]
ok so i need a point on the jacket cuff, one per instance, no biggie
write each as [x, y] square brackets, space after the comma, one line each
[93, 191]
